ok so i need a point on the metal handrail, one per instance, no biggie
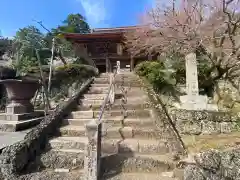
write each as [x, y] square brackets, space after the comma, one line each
[94, 134]
[106, 100]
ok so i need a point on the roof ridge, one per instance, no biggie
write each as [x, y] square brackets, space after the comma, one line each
[119, 27]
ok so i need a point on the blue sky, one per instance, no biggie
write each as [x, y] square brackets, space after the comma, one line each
[15, 14]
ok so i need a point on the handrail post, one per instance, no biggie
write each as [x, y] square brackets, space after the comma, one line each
[112, 91]
[92, 151]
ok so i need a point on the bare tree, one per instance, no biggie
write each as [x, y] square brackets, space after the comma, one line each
[209, 27]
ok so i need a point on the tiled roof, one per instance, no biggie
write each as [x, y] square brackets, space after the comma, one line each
[114, 30]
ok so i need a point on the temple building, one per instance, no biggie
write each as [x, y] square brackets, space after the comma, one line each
[103, 47]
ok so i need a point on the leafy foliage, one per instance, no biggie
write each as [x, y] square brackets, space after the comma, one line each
[74, 71]
[5, 45]
[159, 74]
[70, 76]
[75, 23]
[26, 41]
[163, 74]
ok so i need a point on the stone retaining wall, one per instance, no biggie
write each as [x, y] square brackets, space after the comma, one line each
[204, 122]
[160, 114]
[214, 165]
[14, 158]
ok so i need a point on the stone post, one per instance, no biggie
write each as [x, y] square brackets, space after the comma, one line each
[118, 67]
[112, 92]
[92, 151]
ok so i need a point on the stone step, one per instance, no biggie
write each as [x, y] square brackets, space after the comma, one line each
[62, 158]
[98, 90]
[81, 114]
[68, 143]
[120, 74]
[114, 132]
[131, 91]
[118, 105]
[95, 96]
[139, 176]
[120, 162]
[118, 86]
[48, 174]
[114, 121]
[88, 102]
[129, 75]
[130, 100]
[12, 126]
[103, 85]
[117, 79]
[130, 97]
[118, 83]
[137, 163]
[21, 117]
[51, 174]
[94, 114]
[110, 146]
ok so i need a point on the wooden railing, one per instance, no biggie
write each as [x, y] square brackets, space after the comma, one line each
[94, 134]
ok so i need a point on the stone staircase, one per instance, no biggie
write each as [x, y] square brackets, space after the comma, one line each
[133, 148]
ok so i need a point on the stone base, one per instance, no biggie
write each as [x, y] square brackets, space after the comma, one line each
[12, 126]
[20, 117]
[17, 108]
[123, 70]
[199, 107]
[197, 102]
[18, 122]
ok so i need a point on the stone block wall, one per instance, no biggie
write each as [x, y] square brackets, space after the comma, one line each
[214, 165]
[227, 96]
[14, 158]
[203, 122]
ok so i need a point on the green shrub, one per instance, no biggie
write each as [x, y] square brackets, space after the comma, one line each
[171, 71]
[74, 71]
[157, 73]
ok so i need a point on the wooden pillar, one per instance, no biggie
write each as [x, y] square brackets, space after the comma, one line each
[107, 65]
[119, 49]
[110, 65]
[132, 63]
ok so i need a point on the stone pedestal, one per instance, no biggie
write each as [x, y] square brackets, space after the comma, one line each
[196, 102]
[19, 113]
[18, 108]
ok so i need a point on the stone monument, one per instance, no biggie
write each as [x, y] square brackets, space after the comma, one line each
[194, 101]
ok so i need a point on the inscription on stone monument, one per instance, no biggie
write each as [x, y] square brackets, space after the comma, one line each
[191, 74]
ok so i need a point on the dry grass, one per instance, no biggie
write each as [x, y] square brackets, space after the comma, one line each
[203, 142]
